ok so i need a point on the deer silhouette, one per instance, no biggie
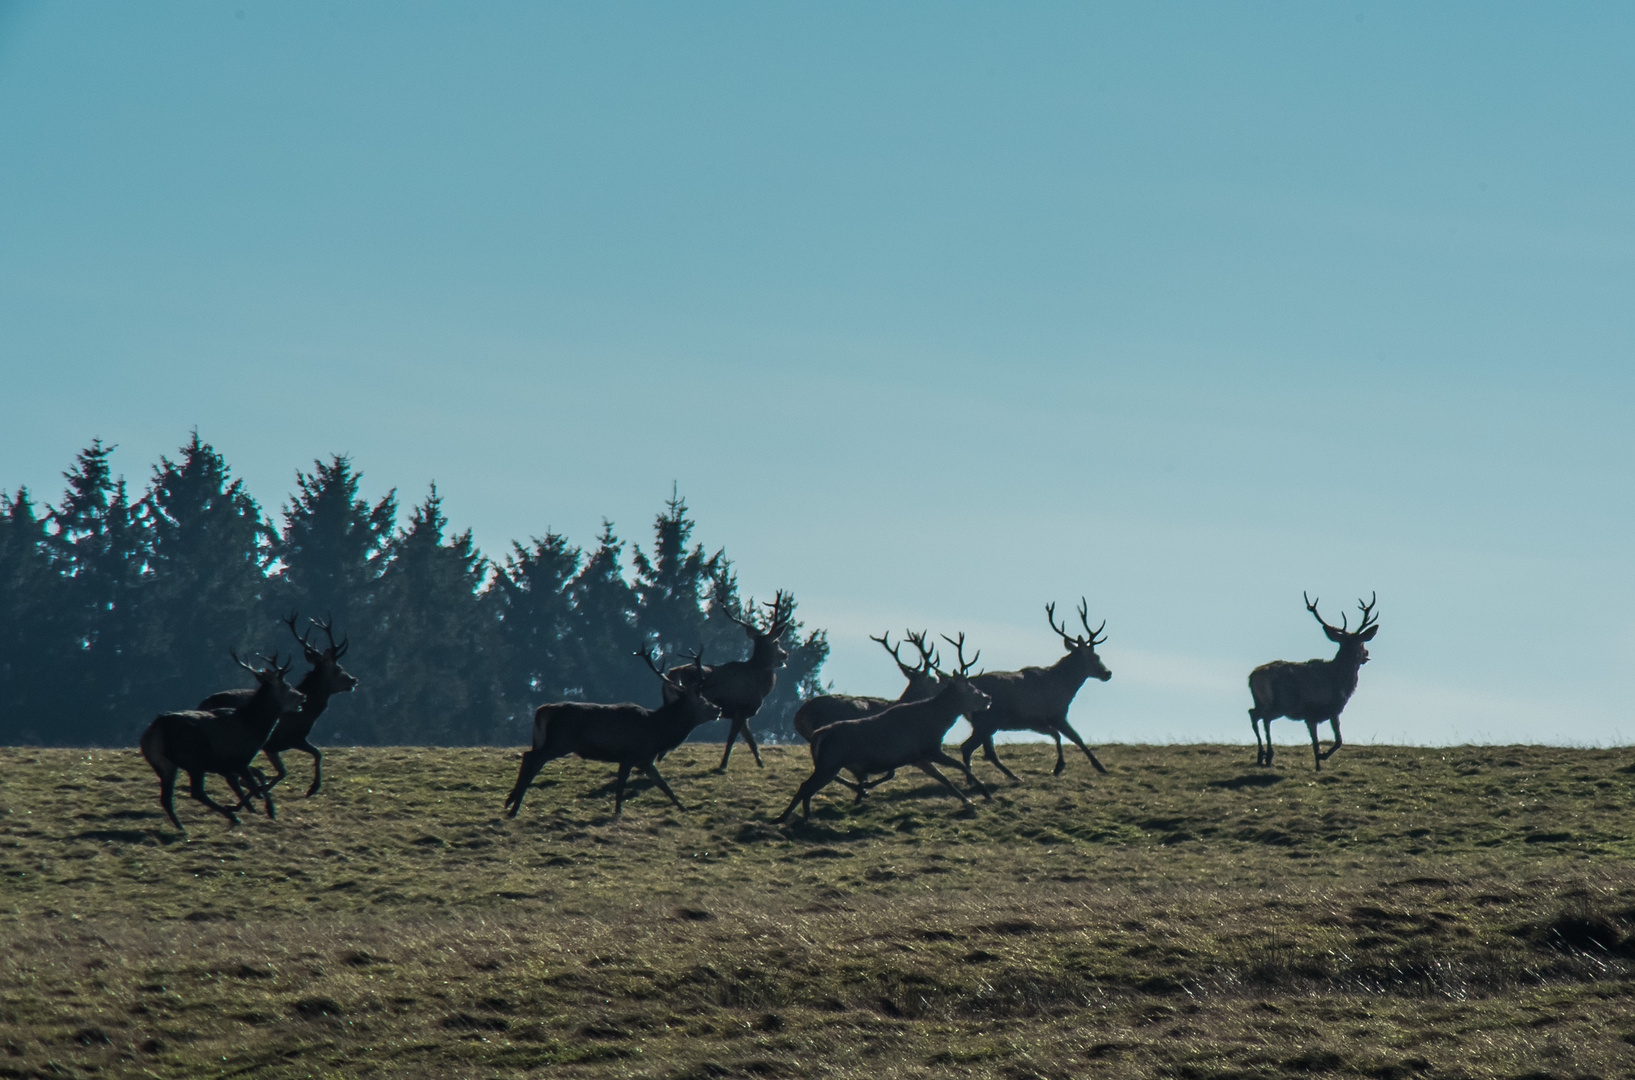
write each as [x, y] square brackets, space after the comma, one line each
[819, 712]
[1037, 698]
[629, 736]
[222, 741]
[739, 687]
[1312, 690]
[294, 730]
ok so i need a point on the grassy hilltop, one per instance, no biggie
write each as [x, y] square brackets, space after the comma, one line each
[1405, 913]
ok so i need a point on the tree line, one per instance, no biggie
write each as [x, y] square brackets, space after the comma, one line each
[114, 608]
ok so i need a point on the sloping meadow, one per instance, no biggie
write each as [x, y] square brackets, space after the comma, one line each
[1406, 912]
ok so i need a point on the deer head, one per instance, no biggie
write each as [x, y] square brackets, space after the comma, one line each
[326, 663]
[1081, 648]
[767, 650]
[690, 689]
[958, 682]
[271, 680]
[1350, 641]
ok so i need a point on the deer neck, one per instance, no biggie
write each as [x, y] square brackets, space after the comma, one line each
[316, 688]
[1345, 666]
[1070, 671]
[764, 654]
[262, 710]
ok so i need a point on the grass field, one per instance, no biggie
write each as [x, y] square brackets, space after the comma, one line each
[1406, 913]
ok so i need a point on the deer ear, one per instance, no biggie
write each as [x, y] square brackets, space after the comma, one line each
[1333, 634]
[1368, 635]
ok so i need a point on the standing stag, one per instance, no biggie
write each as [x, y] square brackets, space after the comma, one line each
[923, 678]
[630, 736]
[907, 734]
[1037, 698]
[222, 741]
[739, 687]
[1314, 690]
[294, 729]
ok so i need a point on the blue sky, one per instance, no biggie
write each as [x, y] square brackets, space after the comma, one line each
[935, 313]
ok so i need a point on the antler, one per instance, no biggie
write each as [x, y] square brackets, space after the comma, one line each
[928, 657]
[965, 665]
[327, 625]
[783, 609]
[1084, 617]
[1311, 606]
[1368, 612]
[289, 621]
[885, 643]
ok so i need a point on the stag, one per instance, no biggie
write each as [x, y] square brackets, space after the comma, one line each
[923, 678]
[1313, 690]
[739, 687]
[294, 731]
[825, 709]
[1037, 698]
[222, 741]
[907, 734]
[630, 736]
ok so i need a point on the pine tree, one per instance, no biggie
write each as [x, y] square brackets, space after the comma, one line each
[604, 637]
[34, 637]
[100, 546]
[208, 590]
[536, 617]
[440, 678]
[333, 546]
[670, 588]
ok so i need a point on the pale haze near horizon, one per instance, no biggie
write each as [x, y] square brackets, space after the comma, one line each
[933, 314]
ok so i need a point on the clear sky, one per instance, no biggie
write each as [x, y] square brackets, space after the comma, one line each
[935, 312]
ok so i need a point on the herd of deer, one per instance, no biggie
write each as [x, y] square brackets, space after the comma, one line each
[870, 738]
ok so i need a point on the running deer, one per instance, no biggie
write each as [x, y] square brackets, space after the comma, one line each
[923, 681]
[907, 734]
[222, 741]
[294, 731]
[630, 736]
[1313, 690]
[1037, 698]
[739, 687]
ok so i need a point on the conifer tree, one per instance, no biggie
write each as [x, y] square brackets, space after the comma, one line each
[34, 636]
[100, 546]
[437, 677]
[604, 636]
[208, 591]
[671, 587]
[333, 545]
[535, 618]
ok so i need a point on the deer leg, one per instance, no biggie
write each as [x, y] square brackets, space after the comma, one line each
[195, 788]
[618, 792]
[317, 765]
[1061, 762]
[652, 771]
[754, 747]
[993, 758]
[167, 792]
[1316, 748]
[944, 759]
[931, 770]
[732, 737]
[277, 764]
[1334, 723]
[1067, 729]
[532, 762]
[1260, 751]
[809, 787]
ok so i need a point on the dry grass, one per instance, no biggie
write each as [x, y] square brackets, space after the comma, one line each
[1410, 912]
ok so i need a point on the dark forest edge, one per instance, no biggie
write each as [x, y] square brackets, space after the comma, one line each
[114, 609]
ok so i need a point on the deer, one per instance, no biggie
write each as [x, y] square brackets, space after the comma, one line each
[1312, 690]
[630, 736]
[819, 712]
[1037, 698]
[909, 733]
[223, 741]
[326, 679]
[923, 681]
[739, 687]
